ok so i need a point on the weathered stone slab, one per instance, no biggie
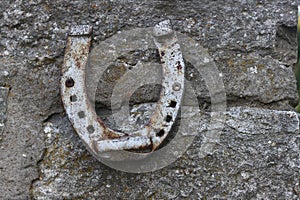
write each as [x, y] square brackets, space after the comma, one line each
[3, 107]
[255, 145]
[258, 162]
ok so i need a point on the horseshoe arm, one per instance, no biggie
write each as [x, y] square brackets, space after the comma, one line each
[91, 129]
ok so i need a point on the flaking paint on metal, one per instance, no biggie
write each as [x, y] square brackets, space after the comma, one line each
[74, 67]
[91, 128]
[167, 43]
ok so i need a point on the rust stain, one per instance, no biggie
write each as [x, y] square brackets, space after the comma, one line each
[107, 133]
[179, 66]
[142, 149]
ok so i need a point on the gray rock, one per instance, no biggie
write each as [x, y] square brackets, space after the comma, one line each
[257, 156]
[239, 35]
[257, 121]
[3, 107]
[255, 52]
[253, 77]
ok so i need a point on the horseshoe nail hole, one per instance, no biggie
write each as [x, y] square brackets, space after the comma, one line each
[130, 67]
[168, 118]
[69, 82]
[73, 98]
[176, 86]
[160, 133]
[91, 129]
[172, 104]
[81, 114]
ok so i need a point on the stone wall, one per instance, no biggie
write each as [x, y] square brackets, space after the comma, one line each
[254, 46]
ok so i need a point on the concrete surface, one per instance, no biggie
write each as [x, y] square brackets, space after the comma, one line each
[254, 46]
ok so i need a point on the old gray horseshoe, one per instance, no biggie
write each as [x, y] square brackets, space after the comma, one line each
[95, 134]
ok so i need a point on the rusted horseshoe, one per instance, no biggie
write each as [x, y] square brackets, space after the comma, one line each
[95, 134]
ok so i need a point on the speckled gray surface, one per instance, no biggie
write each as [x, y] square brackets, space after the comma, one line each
[3, 107]
[254, 46]
[248, 160]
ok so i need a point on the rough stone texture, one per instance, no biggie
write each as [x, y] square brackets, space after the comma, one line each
[243, 37]
[271, 85]
[257, 157]
[3, 107]
[250, 72]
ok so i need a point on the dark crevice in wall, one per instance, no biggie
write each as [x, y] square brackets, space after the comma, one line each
[52, 115]
[40, 174]
[286, 44]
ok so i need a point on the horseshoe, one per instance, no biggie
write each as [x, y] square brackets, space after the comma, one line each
[91, 129]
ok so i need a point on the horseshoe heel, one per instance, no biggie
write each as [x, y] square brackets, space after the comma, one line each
[95, 134]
